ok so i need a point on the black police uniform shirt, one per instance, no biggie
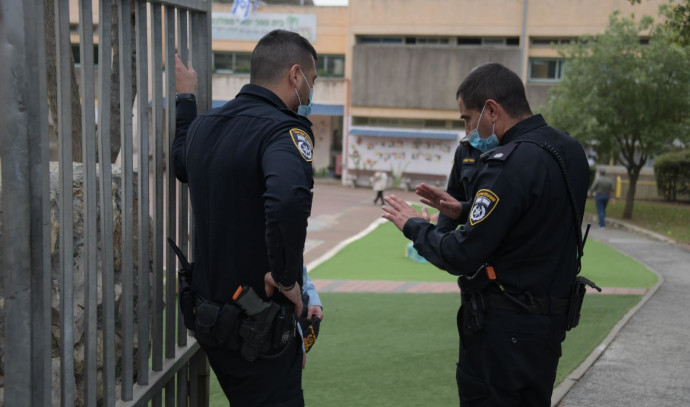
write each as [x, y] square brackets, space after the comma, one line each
[460, 182]
[521, 220]
[248, 165]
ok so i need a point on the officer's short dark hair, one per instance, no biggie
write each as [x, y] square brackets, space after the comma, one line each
[276, 52]
[494, 81]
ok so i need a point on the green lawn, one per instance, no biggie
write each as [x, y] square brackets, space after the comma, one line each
[668, 219]
[380, 256]
[401, 349]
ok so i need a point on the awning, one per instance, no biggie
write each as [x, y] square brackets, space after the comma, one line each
[404, 133]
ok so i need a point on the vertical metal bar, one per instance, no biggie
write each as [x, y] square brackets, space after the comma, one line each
[182, 381]
[194, 374]
[157, 131]
[183, 191]
[64, 114]
[170, 393]
[127, 256]
[143, 218]
[106, 202]
[89, 200]
[40, 203]
[19, 213]
[171, 280]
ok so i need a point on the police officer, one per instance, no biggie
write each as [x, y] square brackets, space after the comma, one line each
[248, 165]
[519, 252]
[460, 185]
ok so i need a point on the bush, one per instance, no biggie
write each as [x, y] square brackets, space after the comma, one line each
[672, 173]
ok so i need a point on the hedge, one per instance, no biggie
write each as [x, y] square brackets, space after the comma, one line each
[672, 173]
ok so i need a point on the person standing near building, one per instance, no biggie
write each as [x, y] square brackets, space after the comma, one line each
[519, 253]
[379, 183]
[602, 190]
[248, 165]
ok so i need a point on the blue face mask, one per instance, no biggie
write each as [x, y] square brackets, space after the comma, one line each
[305, 110]
[479, 143]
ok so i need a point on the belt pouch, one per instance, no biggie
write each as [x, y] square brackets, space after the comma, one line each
[577, 295]
[187, 300]
[206, 317]
[227, 327]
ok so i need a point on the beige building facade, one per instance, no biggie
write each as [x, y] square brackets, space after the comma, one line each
[389, 69]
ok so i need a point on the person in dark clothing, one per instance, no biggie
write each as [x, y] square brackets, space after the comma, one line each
[460, 186]
[248, 165]
[519, 252]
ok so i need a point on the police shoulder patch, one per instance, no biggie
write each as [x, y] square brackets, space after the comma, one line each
[484, 203]
[303, 143]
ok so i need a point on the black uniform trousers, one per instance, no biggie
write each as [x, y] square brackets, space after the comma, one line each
[263, 382]
[512, 361]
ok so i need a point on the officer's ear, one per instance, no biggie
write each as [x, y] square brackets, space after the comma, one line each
[493, 109]
[294, 75]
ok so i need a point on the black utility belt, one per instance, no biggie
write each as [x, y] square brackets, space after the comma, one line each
[526, 304]
[266, 335]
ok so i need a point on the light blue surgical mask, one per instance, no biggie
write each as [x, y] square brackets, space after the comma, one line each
[305, 110]
[479, 143]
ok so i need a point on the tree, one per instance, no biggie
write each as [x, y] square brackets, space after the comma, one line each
[625, 99]
[677, 16]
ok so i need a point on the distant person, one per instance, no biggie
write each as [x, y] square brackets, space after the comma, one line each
[602, 189]
[379, 184]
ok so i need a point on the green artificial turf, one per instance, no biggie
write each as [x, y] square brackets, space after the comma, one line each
[380, 255]
[401, 349]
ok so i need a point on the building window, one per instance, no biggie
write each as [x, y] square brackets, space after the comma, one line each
[365, 39]
[545, 70]
[489, 41]
[231, 62]
[407, 123]
[77, 55]
[549, 42]
[330, 66]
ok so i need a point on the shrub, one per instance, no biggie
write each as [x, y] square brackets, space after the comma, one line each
[672, 173]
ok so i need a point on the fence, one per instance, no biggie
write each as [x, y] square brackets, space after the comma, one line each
[113, 357]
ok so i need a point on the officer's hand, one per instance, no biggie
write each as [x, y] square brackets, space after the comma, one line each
[439, 199]
[398, 211]
[315, 311]
[294, 294]
[185, 76]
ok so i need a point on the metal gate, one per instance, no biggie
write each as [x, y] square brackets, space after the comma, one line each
[102, 361]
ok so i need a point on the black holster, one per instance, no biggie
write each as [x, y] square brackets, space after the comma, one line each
[577, 296]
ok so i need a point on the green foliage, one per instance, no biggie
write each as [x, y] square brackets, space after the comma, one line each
[624, 99]
[672, 173]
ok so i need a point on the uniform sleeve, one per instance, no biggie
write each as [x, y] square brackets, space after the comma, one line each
[309, 294]
[185, 114]
[286, 163]
[496, 207]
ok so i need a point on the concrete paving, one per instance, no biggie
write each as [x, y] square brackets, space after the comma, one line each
[645, 361]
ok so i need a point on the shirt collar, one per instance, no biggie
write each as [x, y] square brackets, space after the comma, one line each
[263, 93]
[522, 127]
[266, 95]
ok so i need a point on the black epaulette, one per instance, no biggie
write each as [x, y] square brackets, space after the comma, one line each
[500, 153]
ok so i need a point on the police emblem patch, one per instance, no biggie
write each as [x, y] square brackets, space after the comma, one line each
[303, 143]
[484, 203]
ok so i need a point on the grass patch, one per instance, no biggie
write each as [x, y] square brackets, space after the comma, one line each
[401, 349]
[668, 219]
[380, 256]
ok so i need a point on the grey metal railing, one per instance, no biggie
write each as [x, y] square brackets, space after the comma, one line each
[132, 348]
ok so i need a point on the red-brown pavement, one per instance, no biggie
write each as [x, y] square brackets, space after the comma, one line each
[339, 213]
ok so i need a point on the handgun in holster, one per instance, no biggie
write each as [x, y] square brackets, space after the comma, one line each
[256, 328]
[186, 294]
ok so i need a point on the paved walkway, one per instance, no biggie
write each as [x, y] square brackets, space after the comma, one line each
[645, 361]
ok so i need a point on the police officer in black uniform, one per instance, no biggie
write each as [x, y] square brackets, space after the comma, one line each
[519, 252]
[460, 186]
[248, 165]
